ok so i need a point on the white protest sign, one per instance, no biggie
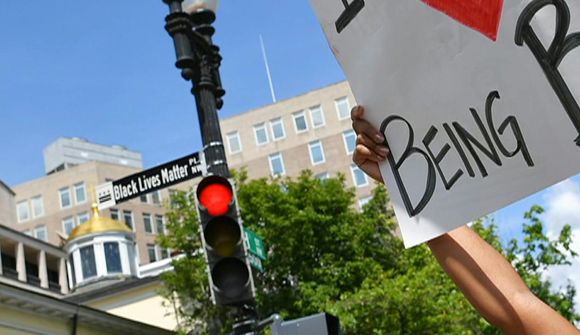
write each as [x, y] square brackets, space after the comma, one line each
[478, 99]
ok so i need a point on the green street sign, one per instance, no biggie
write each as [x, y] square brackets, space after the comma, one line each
[255, 244]
[255, 262]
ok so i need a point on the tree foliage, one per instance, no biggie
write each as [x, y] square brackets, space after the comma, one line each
[326, 255]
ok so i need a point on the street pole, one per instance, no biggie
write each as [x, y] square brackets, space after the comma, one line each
[199, 60]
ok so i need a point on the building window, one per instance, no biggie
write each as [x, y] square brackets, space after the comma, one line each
[300, 123]
[277, 127]
[82, 218]
[349, 138]
[234, 142]
[276, 164]
[159, 224]
[317, 117]
[358, 176]
[113, 257]
[23, 211]
[128, 218]
[80, 193]
[316, 152]
[64, 194]
[342, 108]
[152, 252]
[88, 265]
[164, 253]
[261, 134]
[114, 214]
[68, 224]
[143, 198]
[147, 223]
[363, 201]
[40, 233]
[156, 197]
[37, 206]
[323, 176]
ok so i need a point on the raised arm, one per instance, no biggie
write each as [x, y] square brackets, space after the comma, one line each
[484, 276]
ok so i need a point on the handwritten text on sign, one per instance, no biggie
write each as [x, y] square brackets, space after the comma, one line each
[478, 105]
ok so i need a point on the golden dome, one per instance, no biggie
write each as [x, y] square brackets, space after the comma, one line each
[97, 224]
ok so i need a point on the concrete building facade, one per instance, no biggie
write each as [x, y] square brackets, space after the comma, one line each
[50, 207]
[311, 131]
[7, 205]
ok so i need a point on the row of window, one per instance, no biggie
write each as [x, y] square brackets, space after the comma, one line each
[38, 232]
[277, 129]
[152, 227]
[316, 151]
[277, 168]
[34, 207]
[157, 253]
[70, 222]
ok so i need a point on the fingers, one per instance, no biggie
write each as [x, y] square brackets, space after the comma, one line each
[362, 126]
[378, 150]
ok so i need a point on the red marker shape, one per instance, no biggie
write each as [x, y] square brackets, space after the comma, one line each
[481, 15]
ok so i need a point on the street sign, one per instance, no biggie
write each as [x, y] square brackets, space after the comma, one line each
[135, 185]
[255, 262]
[255, 244]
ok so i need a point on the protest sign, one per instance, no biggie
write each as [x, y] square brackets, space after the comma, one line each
[478, 99]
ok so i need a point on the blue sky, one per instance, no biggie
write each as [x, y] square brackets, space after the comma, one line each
[104, 70]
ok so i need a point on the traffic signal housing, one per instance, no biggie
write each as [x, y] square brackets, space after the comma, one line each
[230, 277]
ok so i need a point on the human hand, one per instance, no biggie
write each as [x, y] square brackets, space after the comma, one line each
[370, 148]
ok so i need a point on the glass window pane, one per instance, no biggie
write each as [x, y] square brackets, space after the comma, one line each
[147, 223]
[276, 164]
[23, 211]
[128, 218]
[152, 253]
[113, 257]
[349, 138]
[83, 217]
[68, 225]
[359, 177]
[114, 214]
[300, 122]
[40, 233]
[88, 264]
[234, 142]
[143, 198]
[156, 197]
[80, 193]
[164, 253]
[342, 108]
[277, 129]
[159, 224]
[65, 200]
[37, 206]
[316, 152]
[317, 117]
[261, 134]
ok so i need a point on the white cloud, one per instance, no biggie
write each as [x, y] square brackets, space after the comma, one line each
[562, 205]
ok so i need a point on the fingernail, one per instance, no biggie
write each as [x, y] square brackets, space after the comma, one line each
[380, 138]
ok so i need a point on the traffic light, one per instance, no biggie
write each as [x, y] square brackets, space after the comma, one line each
[230, 277]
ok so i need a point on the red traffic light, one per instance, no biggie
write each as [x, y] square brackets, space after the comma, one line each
[215, 194]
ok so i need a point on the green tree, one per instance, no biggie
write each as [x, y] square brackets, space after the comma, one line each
[325, 255]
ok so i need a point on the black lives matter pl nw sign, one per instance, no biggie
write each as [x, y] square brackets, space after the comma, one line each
[165, 175]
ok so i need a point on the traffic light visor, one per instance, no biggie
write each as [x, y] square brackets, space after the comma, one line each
[231, 276]
[223, 235]
[215, 194]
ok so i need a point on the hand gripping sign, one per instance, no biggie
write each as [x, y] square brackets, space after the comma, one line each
[477, 99]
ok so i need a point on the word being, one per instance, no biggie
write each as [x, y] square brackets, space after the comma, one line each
[550, 59]
[350, 12]
[464, 144]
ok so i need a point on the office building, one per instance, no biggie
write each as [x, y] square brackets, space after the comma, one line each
[311, 131]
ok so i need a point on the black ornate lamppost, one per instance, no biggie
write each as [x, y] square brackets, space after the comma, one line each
[189, 23]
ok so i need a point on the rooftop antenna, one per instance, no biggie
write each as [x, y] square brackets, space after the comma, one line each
[267, 69]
